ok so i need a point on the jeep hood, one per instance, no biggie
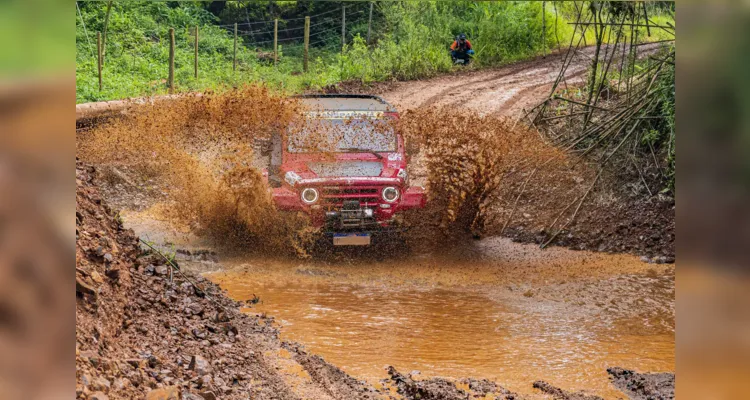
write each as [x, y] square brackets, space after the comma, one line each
[346, 169]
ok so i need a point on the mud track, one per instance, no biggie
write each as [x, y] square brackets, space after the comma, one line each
[502, 91]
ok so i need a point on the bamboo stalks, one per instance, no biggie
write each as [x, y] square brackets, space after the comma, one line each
[600, 132]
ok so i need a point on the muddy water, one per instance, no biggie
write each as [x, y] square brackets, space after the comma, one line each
[496, 310]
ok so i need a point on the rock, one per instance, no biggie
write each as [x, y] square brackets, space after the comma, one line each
[208, 396]
[89, 355]
[162, 270]
[86, 380]
[80, 390]
[195, 309]
[660, 260]
[166, 372]
[98, 396]
[191, 396]
[113, 273]
[150, 269]
[153, 361]
[120, 384]
[200, 365]
[165, 393]
[108, 257]
[187, 288]
[84, 289]
[221, 316]
[200, 334]
[96, 277]
[100, 251]
[101, 384]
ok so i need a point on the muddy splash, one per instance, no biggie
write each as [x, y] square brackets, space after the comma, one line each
[476, 167]
[203, 152]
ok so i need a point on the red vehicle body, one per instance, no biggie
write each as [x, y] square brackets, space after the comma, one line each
[352, 193]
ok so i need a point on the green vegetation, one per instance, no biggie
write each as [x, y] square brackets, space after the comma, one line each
[409, 40]
[661, 135]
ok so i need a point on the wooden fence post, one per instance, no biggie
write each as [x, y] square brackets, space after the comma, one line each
[99, 57]
[196, 52]
[544, 28]
[275, 41]
[343, 27]
[170, 80]
[369, 24]
[306, 54]
[234, 57]
[104, 35]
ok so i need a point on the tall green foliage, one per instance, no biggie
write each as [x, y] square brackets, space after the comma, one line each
[419, 34]
[410, 40]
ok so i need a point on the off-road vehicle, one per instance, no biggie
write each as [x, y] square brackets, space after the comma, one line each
[346, 170]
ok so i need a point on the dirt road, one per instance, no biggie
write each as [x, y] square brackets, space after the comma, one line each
[503, 91]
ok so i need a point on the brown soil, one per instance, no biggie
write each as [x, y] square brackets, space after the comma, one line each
[559, 394]
[645, 227]
[643, 386]
[443, 389]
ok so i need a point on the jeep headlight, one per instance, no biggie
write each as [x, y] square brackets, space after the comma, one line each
[309, 196]
[390, 194]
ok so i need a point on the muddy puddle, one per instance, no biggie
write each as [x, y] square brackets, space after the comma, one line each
[498, 310]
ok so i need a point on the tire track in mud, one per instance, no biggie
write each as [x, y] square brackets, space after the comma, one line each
[503, 91]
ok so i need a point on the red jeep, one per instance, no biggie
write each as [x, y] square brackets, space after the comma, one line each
[356, 186]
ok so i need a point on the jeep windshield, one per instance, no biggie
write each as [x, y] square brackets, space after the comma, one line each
[343, 136]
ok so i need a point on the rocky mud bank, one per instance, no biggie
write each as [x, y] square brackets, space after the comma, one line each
[644, 227]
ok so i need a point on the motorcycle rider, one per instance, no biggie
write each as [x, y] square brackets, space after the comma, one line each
[461, 48]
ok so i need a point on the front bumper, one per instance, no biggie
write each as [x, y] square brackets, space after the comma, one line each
[353, 217]
[349, 215]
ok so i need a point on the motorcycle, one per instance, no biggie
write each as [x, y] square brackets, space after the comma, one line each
[462, 57]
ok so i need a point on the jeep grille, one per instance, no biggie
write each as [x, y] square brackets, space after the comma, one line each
[336, 195]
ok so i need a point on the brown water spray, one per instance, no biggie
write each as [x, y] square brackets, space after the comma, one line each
[202, 150]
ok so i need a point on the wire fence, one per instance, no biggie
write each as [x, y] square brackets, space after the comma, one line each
[308, 31]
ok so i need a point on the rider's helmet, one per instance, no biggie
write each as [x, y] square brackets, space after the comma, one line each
[462, 36]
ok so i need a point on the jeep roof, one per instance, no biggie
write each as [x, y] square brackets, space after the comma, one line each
[346, 102]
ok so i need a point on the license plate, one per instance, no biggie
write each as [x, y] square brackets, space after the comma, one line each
[351, 239]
